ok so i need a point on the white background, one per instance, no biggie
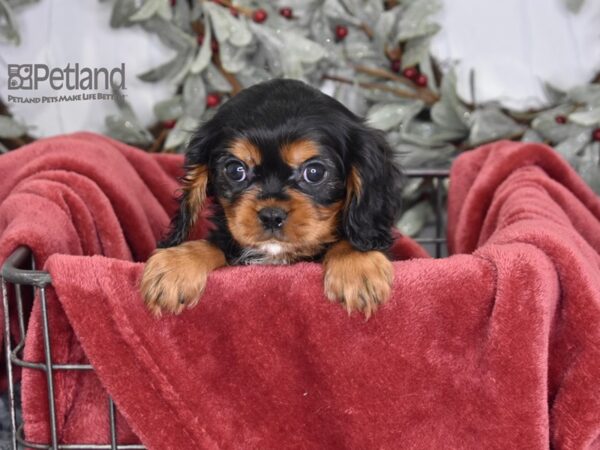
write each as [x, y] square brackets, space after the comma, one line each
[512, 45]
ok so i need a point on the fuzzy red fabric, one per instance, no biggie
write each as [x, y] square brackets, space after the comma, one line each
[87, 195]
[497, 346]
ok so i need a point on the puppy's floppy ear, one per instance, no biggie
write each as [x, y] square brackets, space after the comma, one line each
[373, 192]
[194, 188]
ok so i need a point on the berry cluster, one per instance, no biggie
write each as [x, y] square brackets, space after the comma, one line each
[413, 74]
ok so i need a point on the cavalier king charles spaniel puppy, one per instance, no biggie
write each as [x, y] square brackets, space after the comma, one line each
[293, 176]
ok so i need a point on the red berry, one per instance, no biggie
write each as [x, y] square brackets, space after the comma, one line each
[341, 32]
[396, 65]
[286, 12]
[173, 2]
[169, 124]
[259, 16]
[214, 45]
[411, 73]
[596, 135]
[560, 119]
[421, 80]
[213, 100]
[234, 12]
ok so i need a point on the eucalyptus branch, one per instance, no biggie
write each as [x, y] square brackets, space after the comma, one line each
[424, 94]
[384, 87]
[236, 86]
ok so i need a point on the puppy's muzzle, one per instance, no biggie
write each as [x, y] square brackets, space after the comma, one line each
[272, 219]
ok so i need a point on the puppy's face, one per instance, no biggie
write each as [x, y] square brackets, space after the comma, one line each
[291, 171]
[280, 205]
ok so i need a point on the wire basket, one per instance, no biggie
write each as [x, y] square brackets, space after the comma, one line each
[19, 273]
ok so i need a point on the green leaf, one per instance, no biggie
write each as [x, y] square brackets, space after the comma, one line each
[161, 72]
[574, 5]
[233, 58]
[227, 27]
[194, 96]
[416, 51]
[414, 219]
[252, 75]
[170, 35]
[20, 3]
[240, 34]
[586, 118]
[181, 16]
[336, 11]
[450, 112]
[571, 147]
[386, 116]
[197, 11]
[360, 49]
[147, 10]
[203, 57]
[586, 95]
[215, 79]
[182, 132]
[385, 25]
[169, 109]
[353, 7]
[287, 51]
[588, 166]
[296, 46]
[415, 21]
[429, 134]
[271, 48]
[490, 124]
[10, 129]
[532, 136]
[164, 10]
[127, 130]
[121, 12]
[545, 124]
[171, 69]
[554, 95]
[8, 26]
[411, 190]
[184, 70]
[352, 97]
[410, 155]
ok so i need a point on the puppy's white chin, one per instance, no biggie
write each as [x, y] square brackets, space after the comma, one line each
[267, 253]
[272, 248]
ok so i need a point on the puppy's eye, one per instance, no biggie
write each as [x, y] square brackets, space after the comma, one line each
[235, 171]
[314, 172]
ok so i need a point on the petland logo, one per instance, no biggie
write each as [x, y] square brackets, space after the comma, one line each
[31, 77]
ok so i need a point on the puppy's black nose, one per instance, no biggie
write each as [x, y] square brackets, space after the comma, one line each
[272, 218]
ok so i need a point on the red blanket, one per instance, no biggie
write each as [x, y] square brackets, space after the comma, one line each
[498, 347]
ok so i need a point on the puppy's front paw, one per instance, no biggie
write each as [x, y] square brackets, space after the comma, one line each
[174, 278]
[360, 280]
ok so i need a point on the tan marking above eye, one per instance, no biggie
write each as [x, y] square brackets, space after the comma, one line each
[296, 153]
[245, 151]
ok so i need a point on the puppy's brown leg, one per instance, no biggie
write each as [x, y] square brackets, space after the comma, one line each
[361, 280]
[174, 278]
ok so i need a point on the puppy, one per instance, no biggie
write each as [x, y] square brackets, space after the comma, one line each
[293, 176]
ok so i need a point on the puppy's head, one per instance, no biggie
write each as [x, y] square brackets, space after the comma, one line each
[291, 170]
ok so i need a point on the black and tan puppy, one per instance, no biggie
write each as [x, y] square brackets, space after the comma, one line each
[293, 176]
